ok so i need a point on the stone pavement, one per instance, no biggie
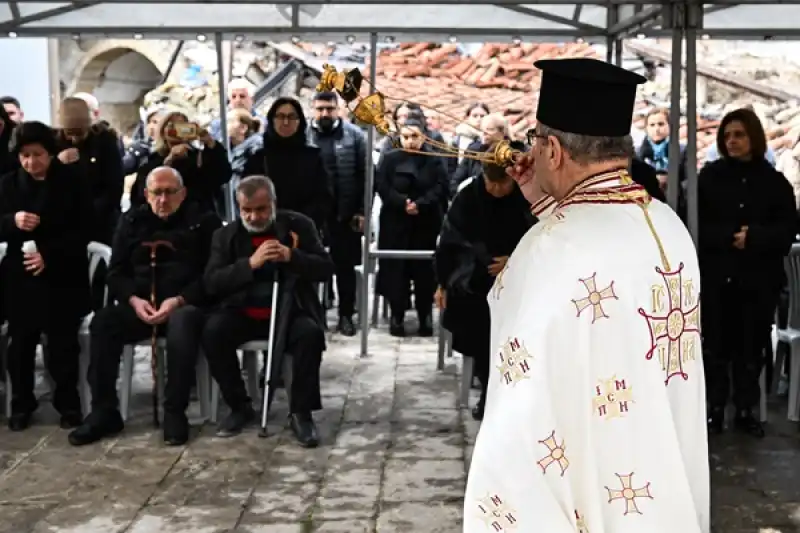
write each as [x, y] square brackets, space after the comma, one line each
[394, 459]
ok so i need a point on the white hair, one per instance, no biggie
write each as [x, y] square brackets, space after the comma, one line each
[91, 101]
[240, 83]
[589, 149]
[175, 174]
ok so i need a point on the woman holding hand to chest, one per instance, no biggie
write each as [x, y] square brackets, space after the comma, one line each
[45, 219]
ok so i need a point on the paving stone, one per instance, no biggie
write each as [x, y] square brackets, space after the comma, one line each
[416, 445]
[368, 408]
[273, 528]
[348, 500]
[431, 517]
[280, 503]
[345, 526]
[424, 480]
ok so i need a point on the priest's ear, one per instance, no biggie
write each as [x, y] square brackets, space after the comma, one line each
[554, 153]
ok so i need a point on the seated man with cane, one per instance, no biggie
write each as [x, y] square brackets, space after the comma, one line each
[267, 249]
[156, 278]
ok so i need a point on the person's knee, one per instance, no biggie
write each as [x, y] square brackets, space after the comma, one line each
[304, 331]
[188, 318]
[106, 321]
[215, 329]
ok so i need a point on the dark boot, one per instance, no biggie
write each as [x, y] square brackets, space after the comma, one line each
[425, 324]
[98, 425]
[71, 420]
[304, 429]
[396, 327]
[20, 421]
[236, 421]
[746, 422]
[346, 326]
[716, 420]
[176, 429]
[477, 411]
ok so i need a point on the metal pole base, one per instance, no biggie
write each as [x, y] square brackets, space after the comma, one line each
[263, 433]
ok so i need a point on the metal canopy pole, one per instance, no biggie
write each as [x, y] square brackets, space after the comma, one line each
[369, 192]
[222, 80]
[673, 180]
[693, 22]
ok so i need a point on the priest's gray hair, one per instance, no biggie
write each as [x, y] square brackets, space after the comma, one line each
[250, 185]
[170, 170]
[590, 149]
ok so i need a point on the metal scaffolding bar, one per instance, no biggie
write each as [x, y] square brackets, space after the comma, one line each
[673, 180]
[691, 133]
[222, 80]
[369, 193]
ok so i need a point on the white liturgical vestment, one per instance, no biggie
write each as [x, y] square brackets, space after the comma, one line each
[596, 419]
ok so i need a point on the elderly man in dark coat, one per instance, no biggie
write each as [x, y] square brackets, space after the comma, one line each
[486, 220]
[247, 256]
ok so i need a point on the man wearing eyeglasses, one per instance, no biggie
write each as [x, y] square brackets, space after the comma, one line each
[179, 232]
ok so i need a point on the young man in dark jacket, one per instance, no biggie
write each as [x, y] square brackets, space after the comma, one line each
[180, 234]
[247, 256]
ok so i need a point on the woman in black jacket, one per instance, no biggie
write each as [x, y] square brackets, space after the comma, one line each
[204, 171]
[413, 189]
[7, 160]
[46, 219]
[747, 225]
[292, 163]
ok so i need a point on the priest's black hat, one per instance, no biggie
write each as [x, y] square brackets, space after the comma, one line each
[587, 97]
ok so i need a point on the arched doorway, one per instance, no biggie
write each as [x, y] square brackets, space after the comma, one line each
[119, 78]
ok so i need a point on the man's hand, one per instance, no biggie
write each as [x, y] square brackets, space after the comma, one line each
[498, 263]
[34, 263]
[144, 310]
[70, 155]
[165, 309]
[523, 173]
[440, 297]
[207, 139]
[26, 221]
[411, 207]
[357, 223]
[271, 250]
[179, 151]
[740, 238]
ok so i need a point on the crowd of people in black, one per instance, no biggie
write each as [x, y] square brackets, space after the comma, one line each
[61, 188]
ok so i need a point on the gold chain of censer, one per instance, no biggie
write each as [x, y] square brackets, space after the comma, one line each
[371, 110]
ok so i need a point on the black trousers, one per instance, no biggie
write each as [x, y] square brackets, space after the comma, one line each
[115, 326]
[421, 273]
[735, 323]
[226, 330]
[61, 361]
[345, 244]
[480, 370]
[98, 285]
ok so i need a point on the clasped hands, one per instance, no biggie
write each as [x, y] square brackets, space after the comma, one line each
[34, 262]
[271, 250]
[740, 238]
[148, 314]
[411, 207]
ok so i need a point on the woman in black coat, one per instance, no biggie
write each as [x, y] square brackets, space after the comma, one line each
[413, 189]
[484, 224]
[292, 163]
[747, 225]
[7, 160]
[45, 210]
[204, 172]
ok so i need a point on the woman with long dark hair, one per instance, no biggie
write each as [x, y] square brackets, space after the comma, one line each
[747, 225]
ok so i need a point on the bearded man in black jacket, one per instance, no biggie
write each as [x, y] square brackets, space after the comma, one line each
[184, 232]
[343, 148]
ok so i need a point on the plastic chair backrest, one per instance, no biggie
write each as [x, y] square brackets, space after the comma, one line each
[464, 184]
[98, 252]
[792, 265]
[3, 248]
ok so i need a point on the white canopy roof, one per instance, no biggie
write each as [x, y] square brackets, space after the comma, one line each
[409, 20]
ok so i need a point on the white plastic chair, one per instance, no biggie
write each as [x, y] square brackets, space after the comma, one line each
[250, 352]
[791, 335]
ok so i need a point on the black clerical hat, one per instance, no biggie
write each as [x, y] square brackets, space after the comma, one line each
[587, 97]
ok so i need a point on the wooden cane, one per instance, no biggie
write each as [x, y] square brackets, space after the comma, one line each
[154, 246]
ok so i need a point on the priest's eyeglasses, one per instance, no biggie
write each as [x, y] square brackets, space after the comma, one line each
[531, 137]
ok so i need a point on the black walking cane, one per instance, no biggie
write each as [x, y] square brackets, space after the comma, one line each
[270, 351]
[154, 246]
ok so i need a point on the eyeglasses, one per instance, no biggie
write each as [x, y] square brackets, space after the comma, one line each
[286, 118]
[531, 137]
[164, 192]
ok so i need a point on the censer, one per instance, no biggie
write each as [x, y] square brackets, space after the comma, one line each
[371, 110]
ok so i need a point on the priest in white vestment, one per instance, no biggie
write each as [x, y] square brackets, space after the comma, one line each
[596, 419]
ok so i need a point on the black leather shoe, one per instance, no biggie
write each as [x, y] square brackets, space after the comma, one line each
[98, 425]
[236, 421]
[346, 326]
[716, 421]
[71, 420]
[477, 412]
[176, 429]
[20, 421]
[304, 429]
[747, 423]
[396, 327]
